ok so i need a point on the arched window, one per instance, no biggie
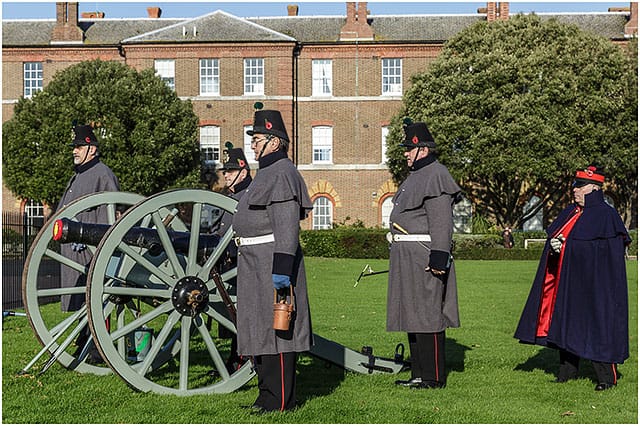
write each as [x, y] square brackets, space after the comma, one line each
[385, 210]
[322, 213]
[462, 216]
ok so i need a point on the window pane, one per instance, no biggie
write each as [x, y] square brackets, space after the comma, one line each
[165, 69]
[248, 152]
[322, 77]
[32, 80]
[322, 213]
[322, 141]
[253, 76]
[209, 77]
[210, 144]
[392, 76]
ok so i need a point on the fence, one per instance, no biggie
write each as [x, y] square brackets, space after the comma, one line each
[18, 232]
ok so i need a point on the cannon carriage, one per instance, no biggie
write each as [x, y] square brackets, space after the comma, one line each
[159, 295]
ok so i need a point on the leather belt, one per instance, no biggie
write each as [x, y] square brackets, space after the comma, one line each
[408, 237]
[250, 241]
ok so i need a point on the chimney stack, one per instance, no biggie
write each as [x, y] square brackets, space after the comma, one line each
[356, 27]
[154, 12]
[66, 29]
[292, 10]
[631, 27]
[496, 11]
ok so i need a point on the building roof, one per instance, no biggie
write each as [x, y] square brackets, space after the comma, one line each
[220, 26]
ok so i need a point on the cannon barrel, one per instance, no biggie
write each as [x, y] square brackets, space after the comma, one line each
[69, 231]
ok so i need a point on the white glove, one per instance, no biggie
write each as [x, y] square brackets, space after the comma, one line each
[556, 243]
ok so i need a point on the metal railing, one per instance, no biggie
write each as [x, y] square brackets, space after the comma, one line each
[18, 232]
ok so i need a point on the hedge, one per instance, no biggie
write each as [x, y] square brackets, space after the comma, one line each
[371, 243]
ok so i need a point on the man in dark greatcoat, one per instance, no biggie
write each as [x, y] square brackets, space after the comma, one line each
[91, 176]
[578, 301]
[422, 297]
[237, 177]
[267, 224]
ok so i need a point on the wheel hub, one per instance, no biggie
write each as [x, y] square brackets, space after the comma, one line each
[190, 296]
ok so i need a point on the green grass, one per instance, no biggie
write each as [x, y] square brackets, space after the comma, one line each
[492, 378]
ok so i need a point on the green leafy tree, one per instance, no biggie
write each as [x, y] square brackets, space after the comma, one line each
[147, 135]
[517, 106]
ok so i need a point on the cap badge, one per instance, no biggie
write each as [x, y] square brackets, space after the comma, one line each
[87, 139]
[241, 162]
[268, 124]
[415, 140]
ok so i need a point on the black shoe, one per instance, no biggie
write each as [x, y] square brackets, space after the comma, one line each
[257, 409]
[604, 386]
[409, 383]
[429, 384]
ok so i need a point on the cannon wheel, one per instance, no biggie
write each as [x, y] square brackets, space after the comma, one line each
[162, 293]
[57, 331]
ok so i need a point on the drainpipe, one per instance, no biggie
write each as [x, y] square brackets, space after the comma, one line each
[294, 100]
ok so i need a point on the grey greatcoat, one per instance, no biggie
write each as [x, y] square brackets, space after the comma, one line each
[275, 202]
[418, 301]
[88, 178]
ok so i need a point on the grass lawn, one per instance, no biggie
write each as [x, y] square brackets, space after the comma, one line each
[492, 378]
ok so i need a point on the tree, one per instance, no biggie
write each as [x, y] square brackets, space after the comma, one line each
[517, 106]
[147, 135]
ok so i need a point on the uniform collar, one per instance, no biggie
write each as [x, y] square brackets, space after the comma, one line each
[271, 158]
[238, 187]
[430, 158]
[86, 166]
[593, 199]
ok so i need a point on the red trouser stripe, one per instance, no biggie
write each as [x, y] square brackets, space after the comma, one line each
[282, 382]
[615, 376]
[435, 340]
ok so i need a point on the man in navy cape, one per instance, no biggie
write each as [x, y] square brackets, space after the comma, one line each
[578, 303]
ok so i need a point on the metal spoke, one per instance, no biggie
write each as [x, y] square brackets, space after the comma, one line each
[167, 245]
[146, 264]
[142, 320]
[213, 350]
[157, 345]
[66, 261]
[185, 332]
[60, 291]
[194, 237]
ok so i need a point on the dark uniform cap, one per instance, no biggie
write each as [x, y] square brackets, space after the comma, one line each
[84, 136]
[417, 135]
[589, 175]
[268, 122]
[236, 160]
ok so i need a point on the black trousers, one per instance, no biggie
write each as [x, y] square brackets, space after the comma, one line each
[276, 381]
[569, 364]
[427, 356]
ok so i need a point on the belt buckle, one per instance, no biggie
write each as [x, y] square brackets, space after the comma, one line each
[237, 241]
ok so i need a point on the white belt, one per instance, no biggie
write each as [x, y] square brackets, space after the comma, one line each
[408, 237]
[250, 241]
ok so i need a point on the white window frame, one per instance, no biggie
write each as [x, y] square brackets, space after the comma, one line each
[322, 213]
[392, 76]
[166, 70]
[322, 145]
[210, 144]
[34, 210]
[322, 77]
[209, 77]
[254, 76]
[32, 78]
[385, 211]
[384, 135]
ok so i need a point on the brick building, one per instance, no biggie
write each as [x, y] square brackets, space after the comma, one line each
[338, 81]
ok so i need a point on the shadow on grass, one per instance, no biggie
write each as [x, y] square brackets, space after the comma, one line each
[548, 360]
[318, 377]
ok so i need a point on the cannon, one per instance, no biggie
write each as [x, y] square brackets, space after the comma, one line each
[156, 286]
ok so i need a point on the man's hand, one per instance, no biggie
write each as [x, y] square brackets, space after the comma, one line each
[280, 281]
[556, 243]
